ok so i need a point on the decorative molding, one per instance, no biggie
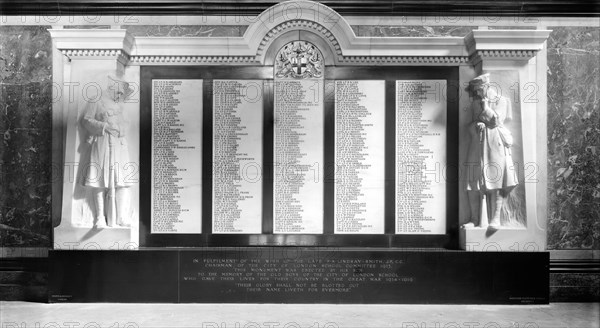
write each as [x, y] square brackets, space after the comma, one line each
[525, 54]
[345, 60]
[252, 47]
[504, 44]
[93, 52]
[298, 25]
[506, 40]
[335, 30]
[93, 39]
[324, 22]
[241, 60]
[96, 54]
[405, 60]
[94, 44]
[481, 55]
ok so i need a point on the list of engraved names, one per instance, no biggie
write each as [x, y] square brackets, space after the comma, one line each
[420, 157]
[176, 156]
[359, 156]
[298, 154]
[237, 156]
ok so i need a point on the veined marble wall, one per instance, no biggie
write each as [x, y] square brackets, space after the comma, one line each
[25, 136]
[573, 127]
[574, 138]
[421, 31]
[188, 31]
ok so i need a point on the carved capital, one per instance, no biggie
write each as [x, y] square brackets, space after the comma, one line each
[504, 44]
[482, 55]
[94, 44]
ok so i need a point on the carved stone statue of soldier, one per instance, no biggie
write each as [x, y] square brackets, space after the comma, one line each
[109, 155]
[492, 175]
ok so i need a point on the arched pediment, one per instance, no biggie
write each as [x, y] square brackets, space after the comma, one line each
[297, 15]
[343, 44]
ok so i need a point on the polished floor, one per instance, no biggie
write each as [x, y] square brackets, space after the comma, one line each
[22, 315]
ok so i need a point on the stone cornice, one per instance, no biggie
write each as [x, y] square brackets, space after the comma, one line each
[507, 39]
[481, 55]
[505, 44]
[193, 60]
[95, 42]
[344, 46]
[404, 60]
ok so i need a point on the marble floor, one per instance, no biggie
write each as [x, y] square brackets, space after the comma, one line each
[22, 315]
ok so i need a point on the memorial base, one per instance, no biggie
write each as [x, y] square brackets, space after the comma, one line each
[299, 275]
[501, 240]
[87, 238]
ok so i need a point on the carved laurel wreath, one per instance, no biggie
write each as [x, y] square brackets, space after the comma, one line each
[299, 60]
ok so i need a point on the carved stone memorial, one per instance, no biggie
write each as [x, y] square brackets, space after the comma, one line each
[301, 163]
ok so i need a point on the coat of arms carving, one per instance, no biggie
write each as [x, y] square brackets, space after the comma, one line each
[300, 60]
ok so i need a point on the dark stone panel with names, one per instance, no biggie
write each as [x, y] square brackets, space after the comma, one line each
[299, 275]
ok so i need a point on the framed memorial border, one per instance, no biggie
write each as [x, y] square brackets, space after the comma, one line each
[79, 52]
[328, 239]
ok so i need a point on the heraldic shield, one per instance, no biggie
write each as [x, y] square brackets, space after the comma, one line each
[300, 60]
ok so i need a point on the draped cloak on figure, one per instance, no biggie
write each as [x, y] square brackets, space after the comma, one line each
[489, 154]
[107, 150]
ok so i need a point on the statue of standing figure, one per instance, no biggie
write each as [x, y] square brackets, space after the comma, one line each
[492, 176]
[109, 154]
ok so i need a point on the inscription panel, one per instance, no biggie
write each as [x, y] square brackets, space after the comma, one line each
[237, 156]
[420, 157]
[316, 275]
[176, 191]
[298, 154]
[359, 156]
[291, 275]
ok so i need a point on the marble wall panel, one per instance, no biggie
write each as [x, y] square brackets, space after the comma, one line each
[574, 138]
[25, 136]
